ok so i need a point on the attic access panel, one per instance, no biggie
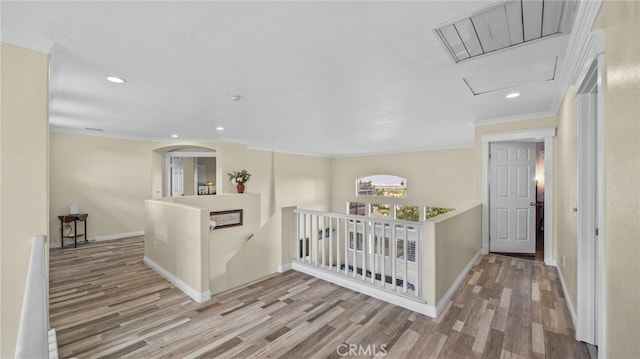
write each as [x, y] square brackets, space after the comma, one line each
[506, 24]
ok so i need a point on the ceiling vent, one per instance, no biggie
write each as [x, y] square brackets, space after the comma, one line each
[506, 24]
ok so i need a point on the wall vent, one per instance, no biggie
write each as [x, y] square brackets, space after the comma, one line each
[505, 24]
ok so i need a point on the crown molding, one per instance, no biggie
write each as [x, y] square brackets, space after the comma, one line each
[578, 48]
[523, 117]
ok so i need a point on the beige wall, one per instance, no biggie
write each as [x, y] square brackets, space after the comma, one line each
[260, 165]
[621, 19]
[176, 238]
[262, 254]
[441, 178]
[231, 157]
[190, 177]
[565, 193]
[458, 237]
[224, 243]
[108, 178]
[24, 182]
[303, 181]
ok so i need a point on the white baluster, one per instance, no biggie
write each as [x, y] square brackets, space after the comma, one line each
[321, 230]
[418, 262]
[406, 257]
[355, 248]
[364, 250]
[394, 255]
[330, 237]
[338, 245]
[305, 250]
[298, 254]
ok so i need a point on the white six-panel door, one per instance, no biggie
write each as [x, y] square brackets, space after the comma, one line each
[177, 177]
[512, 199]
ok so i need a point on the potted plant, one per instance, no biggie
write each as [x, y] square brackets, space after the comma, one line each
[239, 178]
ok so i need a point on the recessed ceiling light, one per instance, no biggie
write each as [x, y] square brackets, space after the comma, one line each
[513, 95]
[174, 136]
[235, 98]
[94, 129]
[116, 80]
[219, 128]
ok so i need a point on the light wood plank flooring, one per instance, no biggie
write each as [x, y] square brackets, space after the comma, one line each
[105, 302]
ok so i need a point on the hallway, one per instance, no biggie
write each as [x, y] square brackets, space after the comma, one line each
[106, 303]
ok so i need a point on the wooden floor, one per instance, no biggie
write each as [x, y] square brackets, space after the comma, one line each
[106, 303]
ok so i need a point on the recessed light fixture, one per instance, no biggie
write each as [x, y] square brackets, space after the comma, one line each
[115, 79]
[219, 128]
[235, 98]
[94, 129]
[174, 136]
[513, 95]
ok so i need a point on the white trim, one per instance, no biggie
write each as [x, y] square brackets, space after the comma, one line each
[524, 135]
[401, 151]
[485, 197]
[514, 118]
[601, 278]
[53, 344]
[109, 237]
[190, 154]
[454, 287]
[547, 134]
[198, 142]
[549, 196]
[273, 150]
[591, 283]
[567, 300]
[284, 267]
[411, 304]
[585, 17]
[188, 290]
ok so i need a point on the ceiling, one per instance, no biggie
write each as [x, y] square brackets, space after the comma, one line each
[322, 78]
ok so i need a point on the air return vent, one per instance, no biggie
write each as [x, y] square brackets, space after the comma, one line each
[503, 25]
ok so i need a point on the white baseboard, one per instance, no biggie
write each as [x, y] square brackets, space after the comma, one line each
[116, 236]
[188, 290]
[284, 267]
[53, 344]
[567, 300]
[415, 305]
[109, 237]
[449, 294]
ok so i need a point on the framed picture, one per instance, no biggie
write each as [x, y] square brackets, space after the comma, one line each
[226, 219]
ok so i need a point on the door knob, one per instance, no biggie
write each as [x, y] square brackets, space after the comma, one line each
[532, 204]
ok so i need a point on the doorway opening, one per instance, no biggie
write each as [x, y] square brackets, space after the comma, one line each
[539, 255]
[516, 200]
[189, 173]
[545, 178]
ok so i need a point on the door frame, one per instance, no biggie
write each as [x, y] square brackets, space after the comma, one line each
[545, 135]
[591, 317]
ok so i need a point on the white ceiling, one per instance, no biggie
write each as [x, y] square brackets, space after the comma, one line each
[324, 78]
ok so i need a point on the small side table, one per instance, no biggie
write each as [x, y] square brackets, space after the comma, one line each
[67, 218]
